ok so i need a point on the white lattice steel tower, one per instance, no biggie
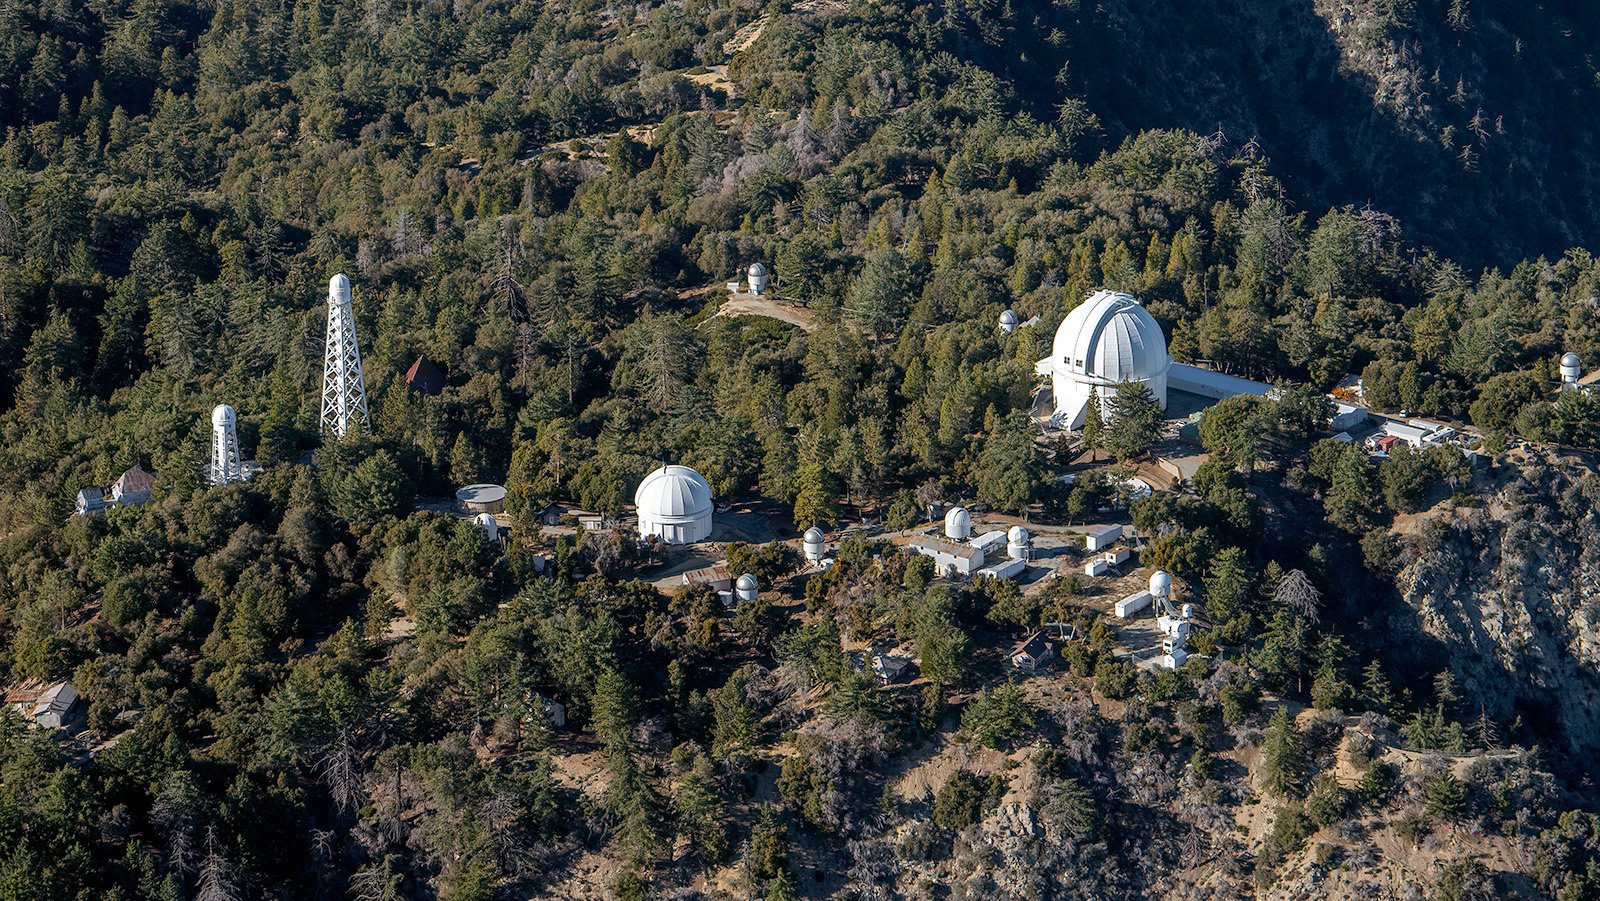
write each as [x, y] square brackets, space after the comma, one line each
[344, 391]
[225, 468]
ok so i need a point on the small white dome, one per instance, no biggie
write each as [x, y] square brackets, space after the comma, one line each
[814, 536]
[673, 493]
[1160, 583]
[1008, 318]
[1570, 359]
[339, 288]
[1017, 535]
[958, 524]
[746, 582]
[487, 523]
[757, 270]
[222, 416]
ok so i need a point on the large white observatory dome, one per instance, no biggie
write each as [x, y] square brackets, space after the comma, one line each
[674, 505]
[222, 416]
[1107, 339]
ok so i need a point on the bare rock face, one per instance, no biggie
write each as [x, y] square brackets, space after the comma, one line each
[1512, 592]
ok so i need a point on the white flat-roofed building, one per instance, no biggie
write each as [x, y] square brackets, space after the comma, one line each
[992, 543]
[1119, 555]
[1132, 604]
[1009, 568]
[949, 557]
[1097, 566]
[1102, 538]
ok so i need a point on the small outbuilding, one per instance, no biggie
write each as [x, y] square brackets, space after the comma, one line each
[1102, 538]
[425, 377]
[133, 487]
[1033, 653]
[91, 502]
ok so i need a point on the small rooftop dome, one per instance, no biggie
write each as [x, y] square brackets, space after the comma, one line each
[746, 582]
[814, 536]
[1017, 535]
[1570, 359]
[222, 416]
[757, 270]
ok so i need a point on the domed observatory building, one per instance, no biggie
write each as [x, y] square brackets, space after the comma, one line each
[1107, 339]
[674, 504]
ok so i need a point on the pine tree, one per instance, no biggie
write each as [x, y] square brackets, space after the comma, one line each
[1093, 428]
[1283, 756]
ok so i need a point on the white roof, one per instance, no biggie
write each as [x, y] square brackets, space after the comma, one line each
[1112, 337]
[673, 492]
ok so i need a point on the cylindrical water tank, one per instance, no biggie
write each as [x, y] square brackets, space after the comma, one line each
[745, 588]
[958, 524]
[486, 522]
[815, 545]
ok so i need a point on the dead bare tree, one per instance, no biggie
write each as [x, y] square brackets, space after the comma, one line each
[1296, 593]
[216, 878]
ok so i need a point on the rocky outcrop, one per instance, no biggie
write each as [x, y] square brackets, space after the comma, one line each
[1512, 592]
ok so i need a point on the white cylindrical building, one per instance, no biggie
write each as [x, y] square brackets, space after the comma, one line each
[1571, 369]
[674, 505]
[958, 524]
[1104, 341]
[1008, 322]
[486, 522]
[225, 468]
[815, 544]
[1161, 585]
[758, 277]
[745, 588]
[1019, 544]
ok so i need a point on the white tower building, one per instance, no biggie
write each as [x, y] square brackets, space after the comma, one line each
[815, 544]
[225, 463]
[1107, 339]
[1571, 370]
[344, 391]
[1019, 544]
[758, 277]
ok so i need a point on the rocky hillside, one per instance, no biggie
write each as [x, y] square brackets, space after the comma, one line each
[1513, 591]
[1449, 115]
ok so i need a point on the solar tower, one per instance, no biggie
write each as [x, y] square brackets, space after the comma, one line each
[344, 391]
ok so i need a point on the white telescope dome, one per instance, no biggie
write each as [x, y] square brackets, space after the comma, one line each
[958, 524]
[1160, 583]
[222, 416]
[1107, 339]
[674, 504]
[1571, 367]
[1017, 534]
[339, 289]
